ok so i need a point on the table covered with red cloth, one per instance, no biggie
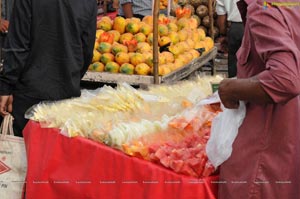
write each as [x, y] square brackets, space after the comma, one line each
[78, 168]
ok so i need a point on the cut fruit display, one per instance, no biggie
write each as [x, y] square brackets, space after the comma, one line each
[163, 124]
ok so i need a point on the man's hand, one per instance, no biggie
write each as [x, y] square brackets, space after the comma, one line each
[226, 93]
[4, 25]
[5, 104]
[223, 44]
[248, 90]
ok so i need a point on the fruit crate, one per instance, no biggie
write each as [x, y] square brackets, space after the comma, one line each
[179, 74]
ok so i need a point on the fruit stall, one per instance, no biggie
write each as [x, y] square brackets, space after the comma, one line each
[130, 50]
[123, 142]
[111, 141]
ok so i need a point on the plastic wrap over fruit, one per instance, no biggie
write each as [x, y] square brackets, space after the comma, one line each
[94, 113]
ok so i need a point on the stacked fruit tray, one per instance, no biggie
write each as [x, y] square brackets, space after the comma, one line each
[123, 50]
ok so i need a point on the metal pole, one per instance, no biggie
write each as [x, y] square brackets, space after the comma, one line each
[211, 18]
[155, 41]
[212, 35]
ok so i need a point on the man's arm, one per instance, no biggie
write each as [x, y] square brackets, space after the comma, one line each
[222, 16]
[222, 24]
[127, 8]
[17, 46]
[280, 81]
[88, 41]
[16, 50]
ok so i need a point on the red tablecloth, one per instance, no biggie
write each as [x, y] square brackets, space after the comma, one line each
[78, 168]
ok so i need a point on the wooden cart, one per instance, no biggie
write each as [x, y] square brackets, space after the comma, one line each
[179, 74]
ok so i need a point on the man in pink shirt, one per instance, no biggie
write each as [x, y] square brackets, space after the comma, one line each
[265, 161]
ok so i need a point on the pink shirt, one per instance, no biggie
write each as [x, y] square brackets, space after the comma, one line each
[265, 162]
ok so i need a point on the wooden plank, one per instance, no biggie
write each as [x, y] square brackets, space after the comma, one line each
[118, 78]
[176, 75]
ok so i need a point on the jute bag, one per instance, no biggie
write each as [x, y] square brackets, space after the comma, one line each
[13, 162]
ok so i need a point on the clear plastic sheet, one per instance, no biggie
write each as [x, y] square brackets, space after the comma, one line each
[99, 112]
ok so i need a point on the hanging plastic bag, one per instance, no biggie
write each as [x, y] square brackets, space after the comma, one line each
[223, 133]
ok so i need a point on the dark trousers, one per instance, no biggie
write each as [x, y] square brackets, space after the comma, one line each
[21, 104]
[235, 36]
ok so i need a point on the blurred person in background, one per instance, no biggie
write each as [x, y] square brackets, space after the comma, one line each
[115, 4]
[265, 159]
[135, 8]
[228, 13]
[48, 49]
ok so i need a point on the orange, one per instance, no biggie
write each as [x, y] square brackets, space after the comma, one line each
[98, 33]
[172, 27]
[183, 35]
[107, 57]
[202, 34]
[122, 58]
[164, 41]
[174, 37]
[136, 59]
[195, 53]
[150, 39]
[182, 23]
[96, 56]
[116, 35]
[175, 49]
[164, 70]
[127, 68]
[178, 63]
[132, 27]
[125, 37]
[116, 48]
[169, 57]
[112, 67]
[140, 37]
[146, 29]
[104, 47]
[143, 47]
[104, 24]
[97, 67]
[209, 42]
[142, 69]
[119, 24]
[148, 20]
[163, 30]
[96, 45]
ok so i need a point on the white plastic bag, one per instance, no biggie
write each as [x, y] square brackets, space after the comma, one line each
[223, 133]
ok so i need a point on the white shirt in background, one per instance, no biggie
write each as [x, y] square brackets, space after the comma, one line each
[230, 8]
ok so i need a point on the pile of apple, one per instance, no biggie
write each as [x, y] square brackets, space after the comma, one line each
[126, 45]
